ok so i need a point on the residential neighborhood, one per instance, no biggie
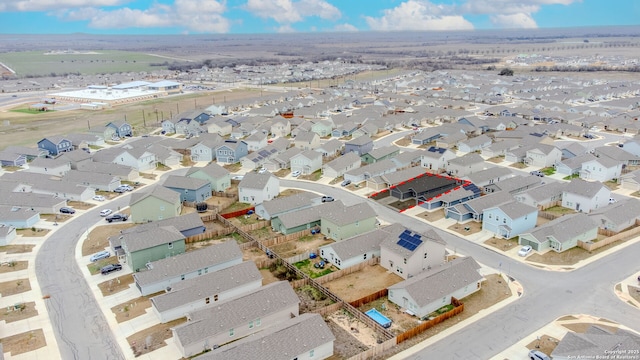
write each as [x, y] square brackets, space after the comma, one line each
[332, 223]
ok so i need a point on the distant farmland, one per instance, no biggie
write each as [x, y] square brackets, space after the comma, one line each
[40, 63]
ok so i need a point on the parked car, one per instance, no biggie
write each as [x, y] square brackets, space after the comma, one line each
[262, 171]
[100, 255]
[538, 355]
[116, 217]
[98, 198]
[612, 201]
[525, 250]
[589, 136]
[295, 173]
[67, 210]
[127, 187]
[319, 265]
[345, 183]
[327, 199]
[110, 268]
[537, 173]
[120, 189]
[105, 212]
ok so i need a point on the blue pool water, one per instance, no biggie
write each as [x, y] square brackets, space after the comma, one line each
[379, 318]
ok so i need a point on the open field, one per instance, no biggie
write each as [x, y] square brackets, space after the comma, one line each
[90, 62]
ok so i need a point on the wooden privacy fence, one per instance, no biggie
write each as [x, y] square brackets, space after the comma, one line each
[284, 238]
[254, 226]
[590, 246]
[346, 271]
[459, 307]
[329, 309]
[375, 351]
[548, 215]
[300, 257]
[209, 234]
[369, 298]
[209, 217]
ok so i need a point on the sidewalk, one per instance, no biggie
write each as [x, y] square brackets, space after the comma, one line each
[623, 292]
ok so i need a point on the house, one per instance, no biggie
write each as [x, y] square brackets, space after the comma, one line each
[77, 158]
[435, 158]
[284, 204]
[474, 144]
[618, 216]
[9, 158]
[206, 290]
[434, 288]
[543, 196]
[246, 314]
[216, 175]
[379, 154]
[54, 145]
[408, 159]
[96, 181]
[489, 176]
[597, 341]
[306, 140]
[141, 248]
[572, 166]
[573, 149]
[156, 203]
[121, 129]
[8, 233]
[465, 165]
[561, 234]
[300, 337]
[601, 169]
[331, 148]
[303, 219]
[474, 208]
[166, 272]
[219, 126]
[451, 140]
[231, 151]
[370, 171]
[356, 249]
[306, 162]
[190, 189]
[280, 128]
[44, 204]
[122, 172]
[616, 153]
[204, 150]
[322, 128]
[139, 158]
[630, 181]
[542, 155]
[340, 165]
[339, 223]
[280, 161]
[255, 188]
[407, 253]
[18, 217]
[256, 141]
[360, 145]
[514, 185]
[585, 196]
[509, 219]
[54, 167]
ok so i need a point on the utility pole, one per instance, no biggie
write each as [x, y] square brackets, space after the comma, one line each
[144, 119]
[177, 108]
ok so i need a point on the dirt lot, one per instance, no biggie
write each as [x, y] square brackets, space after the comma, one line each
[546, 344]
[98, 237]
[16, 249]
[132, 308]
[253, 254]
[345, 345]
[502, 244]
[634, 291]
[300, 246]
[80, 205]
[152, 338]
[468, 228]
[24, 342]
[23, 311]
[268, 277]
[113, 286]
[432, 216]
[13, 266]
[32, 233]
[13, 287]
[55, 217]
[362, 283]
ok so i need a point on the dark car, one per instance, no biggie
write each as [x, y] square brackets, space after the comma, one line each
[537, 173]
[67, 210]
[116, 217]
[110, 268]
[327, 199]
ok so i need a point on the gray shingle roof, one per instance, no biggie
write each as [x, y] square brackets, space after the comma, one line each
[231, 313]
[359, 244]
[564, 228]
[583, 187]
[254, 180]
[159, 192]
[207, 285]
[189, 262]
[341, 162]
[391, 242]
[360, 140]
[597, 341]
[282, 342]
[488, 174]
[348, 214]
[184, 182]
[468, 159]
[515, 209]
[133, 242]
[283, 204]
[213, 170]
[547, 191]
[441, 281]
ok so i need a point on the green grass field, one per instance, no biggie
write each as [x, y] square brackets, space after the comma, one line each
[108, 61]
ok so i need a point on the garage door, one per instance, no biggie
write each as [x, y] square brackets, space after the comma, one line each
[533, 244]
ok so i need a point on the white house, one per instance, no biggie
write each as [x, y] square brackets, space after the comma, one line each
[432, 289]
[255, 188]
[585, 196]
[354, 250]
[340, 165]
[601, 169]
[407, 253]
[542, 155]
[306, 162]
[435, 158]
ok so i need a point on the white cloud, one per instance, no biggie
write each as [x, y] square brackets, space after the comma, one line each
[419, 15]
[509, 7]
[47, 5]
[344, 28]
[189, 15]
[289, 11]
[514, 21]
[285, 29]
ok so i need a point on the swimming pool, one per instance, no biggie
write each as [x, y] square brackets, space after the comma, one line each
[379, 318]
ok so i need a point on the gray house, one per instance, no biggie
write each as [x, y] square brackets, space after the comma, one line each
[55, 145]
[121, 129]
[190, 189]
[231, 151]
[360, 145]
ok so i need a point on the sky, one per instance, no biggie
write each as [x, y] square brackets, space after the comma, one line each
[286, 16]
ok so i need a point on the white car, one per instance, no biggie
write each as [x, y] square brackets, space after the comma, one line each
[262, 171]
[295, 173]
[525, 250]
[98, 198]
[105, 212]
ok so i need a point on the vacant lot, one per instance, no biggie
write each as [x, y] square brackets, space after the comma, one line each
[19, 311]
[23, 342]
[13, 287]
[468, 228]
[33, 232]
[132, 308]
[11, 266]
[16, 249]
[502, 244]
[113, 286]
[152, 338]
[432, 216]
[359, 284]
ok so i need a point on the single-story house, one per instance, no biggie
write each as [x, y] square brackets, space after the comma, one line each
[562, 233]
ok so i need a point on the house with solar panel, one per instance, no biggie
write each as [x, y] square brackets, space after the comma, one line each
[409, 253]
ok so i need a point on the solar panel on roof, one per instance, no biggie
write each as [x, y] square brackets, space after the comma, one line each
[406, 231]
